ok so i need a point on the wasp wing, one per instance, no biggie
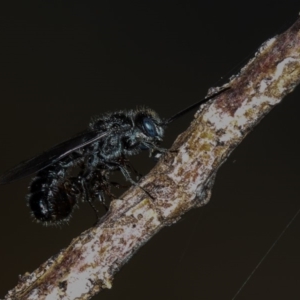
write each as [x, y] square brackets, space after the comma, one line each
[51, 156]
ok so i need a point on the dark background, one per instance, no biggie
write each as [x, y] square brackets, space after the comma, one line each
[62, 62]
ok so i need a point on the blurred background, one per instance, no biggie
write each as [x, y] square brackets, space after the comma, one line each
[62, 62]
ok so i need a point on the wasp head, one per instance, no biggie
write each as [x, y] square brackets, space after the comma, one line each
[150, 128]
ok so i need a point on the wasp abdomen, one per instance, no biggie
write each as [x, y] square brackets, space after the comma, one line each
[52, 196]
[51, 207]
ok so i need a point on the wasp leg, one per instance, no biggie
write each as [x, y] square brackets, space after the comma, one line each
[100, 186]
[83, 180]
[132, 168]
[137, 173]
[88, 199]
[101, 198]
[156, 153]
[123, 161]
[126, 174]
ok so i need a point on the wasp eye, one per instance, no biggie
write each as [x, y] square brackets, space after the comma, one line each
[149, 127]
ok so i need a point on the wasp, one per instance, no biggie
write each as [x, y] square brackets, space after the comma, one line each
[100, 150]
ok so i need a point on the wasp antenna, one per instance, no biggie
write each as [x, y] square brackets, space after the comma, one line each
[183, 112]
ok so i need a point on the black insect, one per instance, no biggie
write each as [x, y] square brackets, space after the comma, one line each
[101, 149]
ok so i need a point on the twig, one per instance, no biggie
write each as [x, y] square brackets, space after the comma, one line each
[183, 178]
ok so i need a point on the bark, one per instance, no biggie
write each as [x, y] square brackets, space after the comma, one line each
[183, 178]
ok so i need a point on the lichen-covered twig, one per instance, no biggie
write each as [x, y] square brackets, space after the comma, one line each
[182, 179]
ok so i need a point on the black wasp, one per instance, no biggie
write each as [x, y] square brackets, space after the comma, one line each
[101, 149]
